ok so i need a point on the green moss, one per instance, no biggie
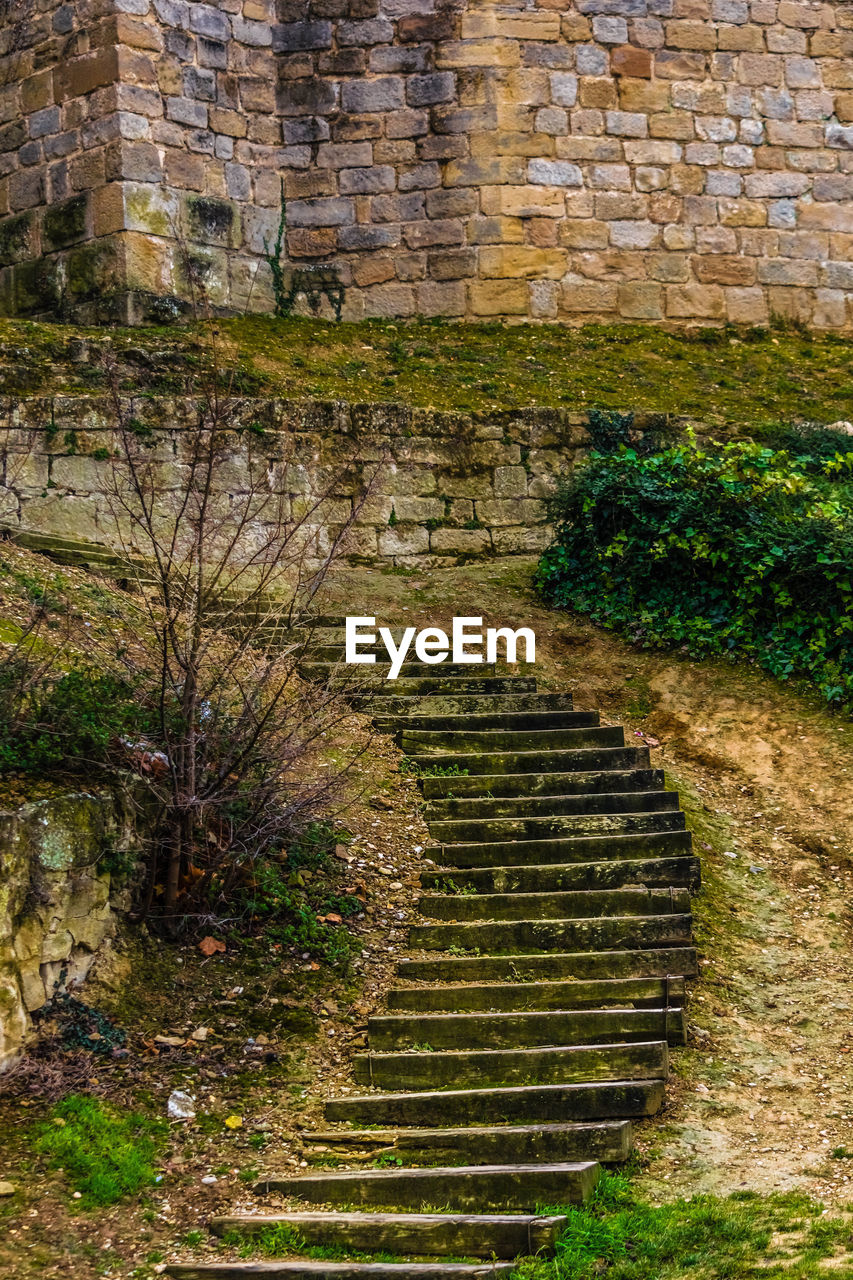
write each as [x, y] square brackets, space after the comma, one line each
[65, 223]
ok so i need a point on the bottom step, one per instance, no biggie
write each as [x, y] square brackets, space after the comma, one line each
[340, 1270]
[488, 1186]
[459, 1235]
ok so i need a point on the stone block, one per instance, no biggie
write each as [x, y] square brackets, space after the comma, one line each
[628, 60]
[695, 301]
[498, 298]
[461, 541]
[383, 94]
[523, 262]
[640, 300]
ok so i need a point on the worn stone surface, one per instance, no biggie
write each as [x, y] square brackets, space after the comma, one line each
[443, 484]
[558, 154]
[58, 907]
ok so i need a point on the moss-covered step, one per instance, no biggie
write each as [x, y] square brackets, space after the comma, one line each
[436, 1234]
[525, 1104]
[417, 742]
[558, 877]
[488, 808]
[654, 962]
[331, 659]
[521, 1186]
[617, 933]
[528, 1029]
[307, 1269]
[608, 1141]
[432, 686]
[570, 849]
[473, 704]
[571, 905]
[483, 830]
[571, 782]
[558, 760]
[562, 1064]
[465, 722]
[624, 993]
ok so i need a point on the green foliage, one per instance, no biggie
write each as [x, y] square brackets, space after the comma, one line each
[741, 550]
[706, 1238]
[290, 896]
[63, 722]
[418, 770]
[103, 1154]
[80, 1026]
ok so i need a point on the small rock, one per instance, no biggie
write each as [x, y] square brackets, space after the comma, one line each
[841, 425]
[7, 1188]
[201, 1033]
[173, 1042]
[209, 1179]
[181, 1106]
[756, 871]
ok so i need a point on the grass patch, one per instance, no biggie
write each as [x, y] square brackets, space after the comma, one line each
[619, 1235]
[104, 1155]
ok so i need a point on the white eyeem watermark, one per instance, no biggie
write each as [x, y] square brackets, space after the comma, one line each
[467, 643]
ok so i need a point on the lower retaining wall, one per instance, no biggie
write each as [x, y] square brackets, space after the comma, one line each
[444, 485]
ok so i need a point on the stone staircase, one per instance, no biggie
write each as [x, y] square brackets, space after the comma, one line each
[532, 1023]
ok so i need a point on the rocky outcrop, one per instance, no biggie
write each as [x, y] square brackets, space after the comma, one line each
[59, 901]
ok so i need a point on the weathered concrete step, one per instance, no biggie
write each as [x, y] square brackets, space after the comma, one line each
[478, 808]
[554, 906]
[521, 1186]
[578, 965]
[442, 686]
[531, 783]
[555, 878]
[526, 1104]
[618, 933]
[483, 830]
[564, 1064]
[460, 1235]
[326, 660]
[560, 760]
[464, 722]
[608, 1141]
[309, 1269]
[477, 704]
[570, 849]
[556, 1027]
[418, 742]
[624, 993]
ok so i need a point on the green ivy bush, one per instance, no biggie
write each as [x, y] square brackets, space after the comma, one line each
[739, 549]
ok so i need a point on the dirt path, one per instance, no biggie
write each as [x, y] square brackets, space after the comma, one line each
[765, 775]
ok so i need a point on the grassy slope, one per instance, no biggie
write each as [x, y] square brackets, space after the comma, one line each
[724, 377]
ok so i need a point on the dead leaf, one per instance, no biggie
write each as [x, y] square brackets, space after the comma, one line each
[209, 946]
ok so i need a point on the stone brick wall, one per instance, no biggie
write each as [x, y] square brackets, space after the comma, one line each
[682, 161]
[446, 484]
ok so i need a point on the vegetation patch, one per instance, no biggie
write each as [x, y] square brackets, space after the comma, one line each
[104, 1155]
[619, 1235]
[742, 550]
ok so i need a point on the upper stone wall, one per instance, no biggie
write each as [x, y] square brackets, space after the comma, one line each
[687, 161]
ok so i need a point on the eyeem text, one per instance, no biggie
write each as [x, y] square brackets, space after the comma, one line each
[467, 643]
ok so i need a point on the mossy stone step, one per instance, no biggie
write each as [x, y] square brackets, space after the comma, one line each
[608, 1141]
[565, 851]
[479, 808]
[418, 742]
[464, 722]
[570, 849]
[554, 827]
[308, 1269]
[460, 1235]
[526, 1104]
[570, 783]
[611, 933]
[555, 906]
[556, 1027]
[559, 760]
[435, 685]
[522, 1186]
[623, 993]
[654, 962]
[562, 1064]
[472, 703]
[323, 659]
[555, 877]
